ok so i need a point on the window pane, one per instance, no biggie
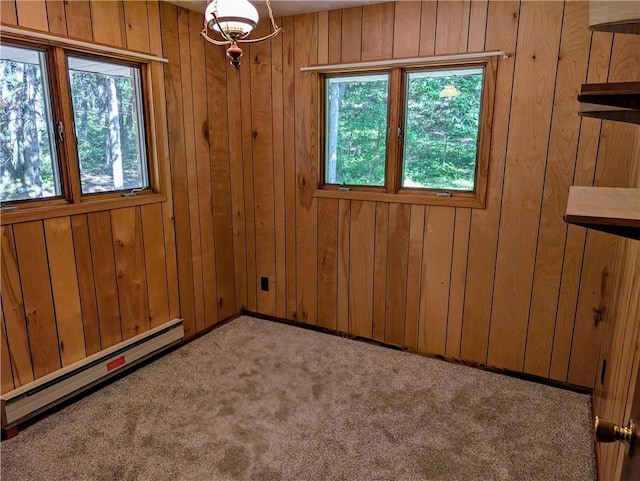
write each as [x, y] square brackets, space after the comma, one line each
[441, 134]
[28, 163]
[109, 125]
[356, 129]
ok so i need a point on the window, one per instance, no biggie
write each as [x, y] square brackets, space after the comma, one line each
[72, 127]
[416, 131]
[28, 159]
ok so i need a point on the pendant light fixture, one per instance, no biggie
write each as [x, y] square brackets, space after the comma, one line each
[234, 20]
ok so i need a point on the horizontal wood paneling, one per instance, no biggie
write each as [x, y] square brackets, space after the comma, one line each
[486, 285]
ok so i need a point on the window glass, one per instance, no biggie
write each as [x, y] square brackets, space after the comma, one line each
[28, 162]
[356, 129]
[107, 106]
[441, 128]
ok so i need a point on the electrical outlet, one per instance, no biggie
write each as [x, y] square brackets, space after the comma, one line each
[264, 284]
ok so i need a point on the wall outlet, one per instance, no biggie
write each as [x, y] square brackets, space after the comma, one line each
[264, 284]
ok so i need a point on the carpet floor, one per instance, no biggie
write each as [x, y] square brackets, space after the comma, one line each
[257, 400]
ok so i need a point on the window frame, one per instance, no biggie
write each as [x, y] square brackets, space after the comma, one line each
[73, 201]
[393, 191]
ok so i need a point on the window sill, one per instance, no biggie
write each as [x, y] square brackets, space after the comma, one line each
[456, 200]
[31, 213]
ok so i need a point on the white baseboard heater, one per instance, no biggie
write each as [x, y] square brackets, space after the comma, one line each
[38, 396]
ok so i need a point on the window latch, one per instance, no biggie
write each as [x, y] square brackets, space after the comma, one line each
[343, 188]
[60, 131]
[400, 132]
[7, 208]
[134, 192]
[444, 194]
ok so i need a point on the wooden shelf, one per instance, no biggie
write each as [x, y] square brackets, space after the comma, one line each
[613, 101]
[607, 209]
[614, 16]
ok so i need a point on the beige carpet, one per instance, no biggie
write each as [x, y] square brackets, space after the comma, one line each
[256, 400]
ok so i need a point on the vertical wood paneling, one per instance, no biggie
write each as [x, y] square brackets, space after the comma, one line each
[105, 278]
[428, 20]
[128, 247]
[33, 14]
[589, 141]
[335, 36]
[13, 311]
[327, 262]
[377, 30]
[406, 29]
[459, 255]
[136, 26]
[8, 12]
[534, 75]
[561, 160]
[452, 27]
[361, 268]
[179, 183]
[64, 284]
[155, 264]
[289, 165]
[191, 165]
[78, 15]
[502, 29]
[6, 377]
[107, 23]
[344, 249]
[38, 300]
[397, 262]
[56, 17]
[351, 34]
[414, 275]
[262, 145]
[279, 207]
[305, 53]
[436, 273]
[380, 271]
[86, 284]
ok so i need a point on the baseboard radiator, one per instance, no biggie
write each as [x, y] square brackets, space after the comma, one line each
[44, 393]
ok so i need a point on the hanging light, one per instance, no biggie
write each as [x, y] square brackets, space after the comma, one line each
[234, 20]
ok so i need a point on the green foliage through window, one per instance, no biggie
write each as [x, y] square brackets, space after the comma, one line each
[28, 162]
[356, 129]
[441, 134]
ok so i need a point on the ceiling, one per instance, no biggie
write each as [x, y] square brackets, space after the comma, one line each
[283, 8]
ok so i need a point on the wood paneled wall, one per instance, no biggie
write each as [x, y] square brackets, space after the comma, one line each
[511, 285]
[74, 285]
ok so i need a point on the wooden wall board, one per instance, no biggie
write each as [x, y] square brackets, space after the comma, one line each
[344, 250]
[559, 174]
[8, 12]
[6, 376]
[33, 14]
[363, 216]
[78, 15]
[155, 264]
[31, 252]
[136, 26]
[502, 29]
[328, 263]
[105, 278]
[64, 286]
[530, 121]
[381, 253]
[14, 312]
[396, 272]
[56, 17]
[107, 23]
[414, 275]
[306, 135]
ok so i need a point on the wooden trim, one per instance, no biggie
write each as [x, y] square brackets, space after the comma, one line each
[406, 62]
[39, 212]
[77, 45]
[456, 200]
